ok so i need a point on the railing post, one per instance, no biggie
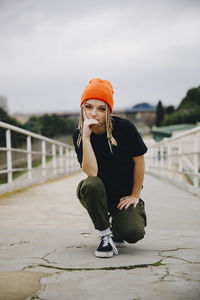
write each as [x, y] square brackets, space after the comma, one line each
[161, 156]
[61, 158]
[70, 160]
[196, 163]
[9, 155]
[161, 159]
[73, 160]
[53, 150]
[29, 156]
[180, 162]
[157, 158]
[154, 152]
[67, 159]
[169, 151]
[147, 164]
[43, 158]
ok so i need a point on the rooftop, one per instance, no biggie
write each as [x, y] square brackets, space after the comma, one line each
[141, 107]
[171, 128]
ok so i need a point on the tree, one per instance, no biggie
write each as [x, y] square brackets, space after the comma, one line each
[51, 125]
[17, 139]
[159, 113]
[168, 109]
[190, 116]
[192, 98]
[188, 110]
[4, 117]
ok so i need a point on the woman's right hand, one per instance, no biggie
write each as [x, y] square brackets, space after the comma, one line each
[88, 124]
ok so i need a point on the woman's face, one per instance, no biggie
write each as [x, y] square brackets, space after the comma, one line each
[95, 109]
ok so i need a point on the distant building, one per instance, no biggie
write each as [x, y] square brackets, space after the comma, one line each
[159, 133]
[142, 113]
[20, 117]
[3, 103]
[142, 107]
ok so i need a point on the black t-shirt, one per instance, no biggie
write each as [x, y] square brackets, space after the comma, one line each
[115, 169]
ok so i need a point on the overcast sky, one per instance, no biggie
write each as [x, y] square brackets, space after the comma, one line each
[50, 49]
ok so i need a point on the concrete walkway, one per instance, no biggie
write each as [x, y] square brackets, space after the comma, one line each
[47, 245]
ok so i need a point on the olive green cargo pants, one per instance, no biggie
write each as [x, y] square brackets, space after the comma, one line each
[126, 225]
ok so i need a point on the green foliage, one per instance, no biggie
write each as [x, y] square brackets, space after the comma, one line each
[16, 138]
[4, 117]
[188, 110]
[168, 109]
[47, 125]
[192, 98]
[190, 116]
[51, 125]
[159, 113]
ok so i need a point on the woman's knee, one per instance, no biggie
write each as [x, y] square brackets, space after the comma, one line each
[134, 235]
[91, 189]
[92, 185]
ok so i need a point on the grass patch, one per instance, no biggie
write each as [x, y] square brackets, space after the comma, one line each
[3, 177]
[131, 267]
[18, 173]
[39, 162]
[34, 165]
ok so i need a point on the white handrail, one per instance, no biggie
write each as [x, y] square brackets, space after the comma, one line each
[177, 160]
[181, 135]
[32, 134]
[66, 164]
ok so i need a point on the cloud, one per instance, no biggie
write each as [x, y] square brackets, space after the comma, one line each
[49, 50]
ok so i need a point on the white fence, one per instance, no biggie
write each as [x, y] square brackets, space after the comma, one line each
[62, 159]
[177, 159]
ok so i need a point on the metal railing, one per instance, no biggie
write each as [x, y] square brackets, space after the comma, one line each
[177, 159]
[62, 159]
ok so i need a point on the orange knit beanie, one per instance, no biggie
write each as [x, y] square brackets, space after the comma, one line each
[99, 89]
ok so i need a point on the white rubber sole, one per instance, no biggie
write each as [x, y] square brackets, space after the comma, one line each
[120, 245]
[104, 254]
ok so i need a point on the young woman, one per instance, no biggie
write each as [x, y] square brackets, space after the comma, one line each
[111, 152]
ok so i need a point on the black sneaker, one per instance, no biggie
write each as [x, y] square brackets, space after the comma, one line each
[106, 247]
[119, 243]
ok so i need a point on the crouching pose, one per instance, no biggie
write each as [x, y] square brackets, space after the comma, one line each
[111, 152]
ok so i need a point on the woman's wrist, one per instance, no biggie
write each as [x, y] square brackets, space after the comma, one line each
[136, 195]
[86, 136]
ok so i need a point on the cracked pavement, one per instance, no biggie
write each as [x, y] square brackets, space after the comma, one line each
[47, 247]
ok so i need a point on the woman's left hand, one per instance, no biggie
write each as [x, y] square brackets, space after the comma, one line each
[125, 202]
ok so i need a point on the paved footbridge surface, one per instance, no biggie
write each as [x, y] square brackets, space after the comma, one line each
[47, 245]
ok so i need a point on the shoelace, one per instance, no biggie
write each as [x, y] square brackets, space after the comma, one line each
[107, 239]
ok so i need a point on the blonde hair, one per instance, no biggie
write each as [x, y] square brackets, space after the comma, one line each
[109, 127]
